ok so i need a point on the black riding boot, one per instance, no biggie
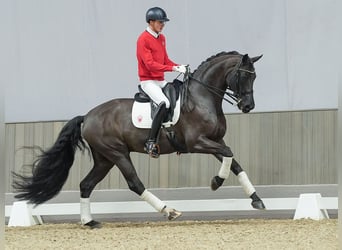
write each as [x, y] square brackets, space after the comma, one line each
[151, 146]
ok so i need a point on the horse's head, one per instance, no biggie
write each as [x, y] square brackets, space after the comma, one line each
[240, 82]
[225, 70]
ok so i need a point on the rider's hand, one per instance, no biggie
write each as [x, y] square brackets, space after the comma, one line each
[180, 68]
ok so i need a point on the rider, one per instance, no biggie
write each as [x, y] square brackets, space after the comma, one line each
[153, 61]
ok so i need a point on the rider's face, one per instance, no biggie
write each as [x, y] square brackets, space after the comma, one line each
[157, 26]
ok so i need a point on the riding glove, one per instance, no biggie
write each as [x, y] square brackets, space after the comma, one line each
[180, 68]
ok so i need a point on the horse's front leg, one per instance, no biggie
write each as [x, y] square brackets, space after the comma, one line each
[228, 163]
[247, 185]
[225, 156]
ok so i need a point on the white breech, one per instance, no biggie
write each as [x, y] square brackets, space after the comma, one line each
[154, 90]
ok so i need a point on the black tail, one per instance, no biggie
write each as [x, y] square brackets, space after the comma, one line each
[51, 169]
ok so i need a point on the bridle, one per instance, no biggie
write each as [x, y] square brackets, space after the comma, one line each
[235, 74]
[236, 95]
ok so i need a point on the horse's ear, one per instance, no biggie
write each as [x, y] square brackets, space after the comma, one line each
[254, 59]
[245, 58]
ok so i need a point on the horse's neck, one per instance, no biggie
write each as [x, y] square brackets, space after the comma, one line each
[215, 78]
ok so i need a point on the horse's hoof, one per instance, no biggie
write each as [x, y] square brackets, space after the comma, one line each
[93, 224]
[216, 182]
[173, 214]
[258, 205]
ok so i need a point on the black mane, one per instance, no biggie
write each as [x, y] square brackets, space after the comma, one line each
[223, 53]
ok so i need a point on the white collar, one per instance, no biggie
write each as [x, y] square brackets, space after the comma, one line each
[149, 30]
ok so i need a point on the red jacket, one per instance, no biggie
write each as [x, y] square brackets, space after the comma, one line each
[152, 57]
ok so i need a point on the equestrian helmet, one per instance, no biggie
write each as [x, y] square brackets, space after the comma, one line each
[156, 14]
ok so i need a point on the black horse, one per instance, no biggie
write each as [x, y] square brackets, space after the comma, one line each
[111, 136]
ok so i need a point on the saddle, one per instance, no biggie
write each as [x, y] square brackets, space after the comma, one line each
[171, 91]
[144, 108]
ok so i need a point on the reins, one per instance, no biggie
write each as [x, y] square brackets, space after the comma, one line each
[218, 92]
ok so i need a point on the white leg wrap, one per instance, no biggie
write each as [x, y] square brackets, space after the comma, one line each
[152, 200]
[225, 167]
[85, 210]
[245, 183]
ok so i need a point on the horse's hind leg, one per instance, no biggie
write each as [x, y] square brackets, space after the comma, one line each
[97, 173]
[127, 169]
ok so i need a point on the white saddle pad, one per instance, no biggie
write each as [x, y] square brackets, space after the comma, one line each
[141, 115]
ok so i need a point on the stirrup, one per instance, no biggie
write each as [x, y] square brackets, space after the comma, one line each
[152, 148]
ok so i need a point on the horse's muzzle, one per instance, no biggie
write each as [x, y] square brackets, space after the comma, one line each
[246, 104]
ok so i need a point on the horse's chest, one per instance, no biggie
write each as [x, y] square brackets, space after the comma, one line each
[218, 130]
[213, 126]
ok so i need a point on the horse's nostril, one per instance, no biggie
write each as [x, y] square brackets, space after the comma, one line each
[247, 108]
